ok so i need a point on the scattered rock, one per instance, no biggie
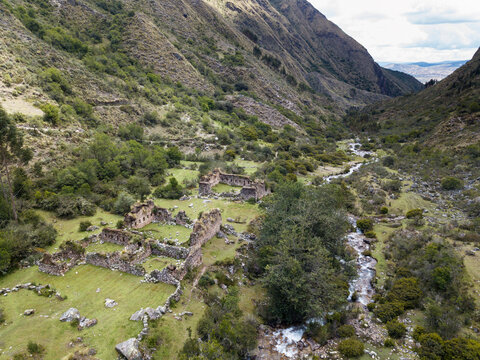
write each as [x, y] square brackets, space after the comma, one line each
[92, 228]
[70, 315]
[29, 312]
[86, 323]
[110, 303]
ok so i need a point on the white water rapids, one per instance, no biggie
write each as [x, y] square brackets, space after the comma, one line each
[361, 285]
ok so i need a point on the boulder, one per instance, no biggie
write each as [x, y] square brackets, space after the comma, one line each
[29, 312]
[110, 303]
[86, 323]
[138, 315]
[92, 228]
[129, 350]
[70, 315]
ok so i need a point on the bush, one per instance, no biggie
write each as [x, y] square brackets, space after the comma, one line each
[173, 190]
[2, 316]
[388, 161]
[84, 225]
[406, 291]
[206, 281]
[418, 331]
[396, 329]
[452, 183]
[351, 348]
[431, 347]
[371, 306]
[371, 234]
[365, 225]
[34, 348]
[414, 214]
[120, 224]
[346, 331]
[389, 310]
[384, 210]
[123, 203]
[389, 342]
[50, 114]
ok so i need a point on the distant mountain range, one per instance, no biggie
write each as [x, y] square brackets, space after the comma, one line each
[424, 71]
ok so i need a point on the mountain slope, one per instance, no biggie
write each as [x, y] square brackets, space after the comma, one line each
[447, 113]
[284, 53]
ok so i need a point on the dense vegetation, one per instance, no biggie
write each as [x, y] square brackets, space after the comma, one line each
[295, 256]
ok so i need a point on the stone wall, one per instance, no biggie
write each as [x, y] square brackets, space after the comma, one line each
[206, 227]
[143, 214]
[176, 252]
[115, 236]
[250, 188]
[115, 261]
[60, 262]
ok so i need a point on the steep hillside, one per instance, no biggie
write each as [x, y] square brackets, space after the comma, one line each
[446, 113]
[284, 52]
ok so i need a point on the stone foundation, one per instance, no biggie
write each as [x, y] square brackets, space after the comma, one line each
[250, 189]
[115, 236]
[115, 261]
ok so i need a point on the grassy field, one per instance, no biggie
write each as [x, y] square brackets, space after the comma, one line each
[158, 262]
[103, 248]
[172, 332]
[244, 211]
[407, 201]
[68, 229]
[162, 231]
[183, 174]
[220, 188]
[80, 286]
[383, 232]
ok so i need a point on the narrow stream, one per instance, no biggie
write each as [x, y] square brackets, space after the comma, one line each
[361, 285]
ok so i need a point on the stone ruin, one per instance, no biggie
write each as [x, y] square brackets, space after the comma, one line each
[251, 189]
[136, 250]
[145, 213]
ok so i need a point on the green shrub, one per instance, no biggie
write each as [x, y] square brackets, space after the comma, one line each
[351, 348]
[431, 347]
[418, 331]
[120, 224]
[2, 316]
[365, 225]
[406, 291]
[34, 348]
[414, 213]
[396, 329]
[371, 306]
[84, 225]
[384, 210]
[371, 234]
[461, 349]
[346, 331]
[50, 114]
[206, 281]
[452, 183]
[389, 342]
[389, 310]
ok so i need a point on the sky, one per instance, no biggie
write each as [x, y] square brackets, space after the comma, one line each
[409, 30]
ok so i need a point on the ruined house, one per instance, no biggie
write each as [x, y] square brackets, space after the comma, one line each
[145, 213]
[251, 189]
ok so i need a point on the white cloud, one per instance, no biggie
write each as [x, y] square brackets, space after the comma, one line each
[409, 30]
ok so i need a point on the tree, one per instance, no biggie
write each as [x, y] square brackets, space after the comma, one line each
[139, 186]
[123, 203]
[11, 150]
[302, 231]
